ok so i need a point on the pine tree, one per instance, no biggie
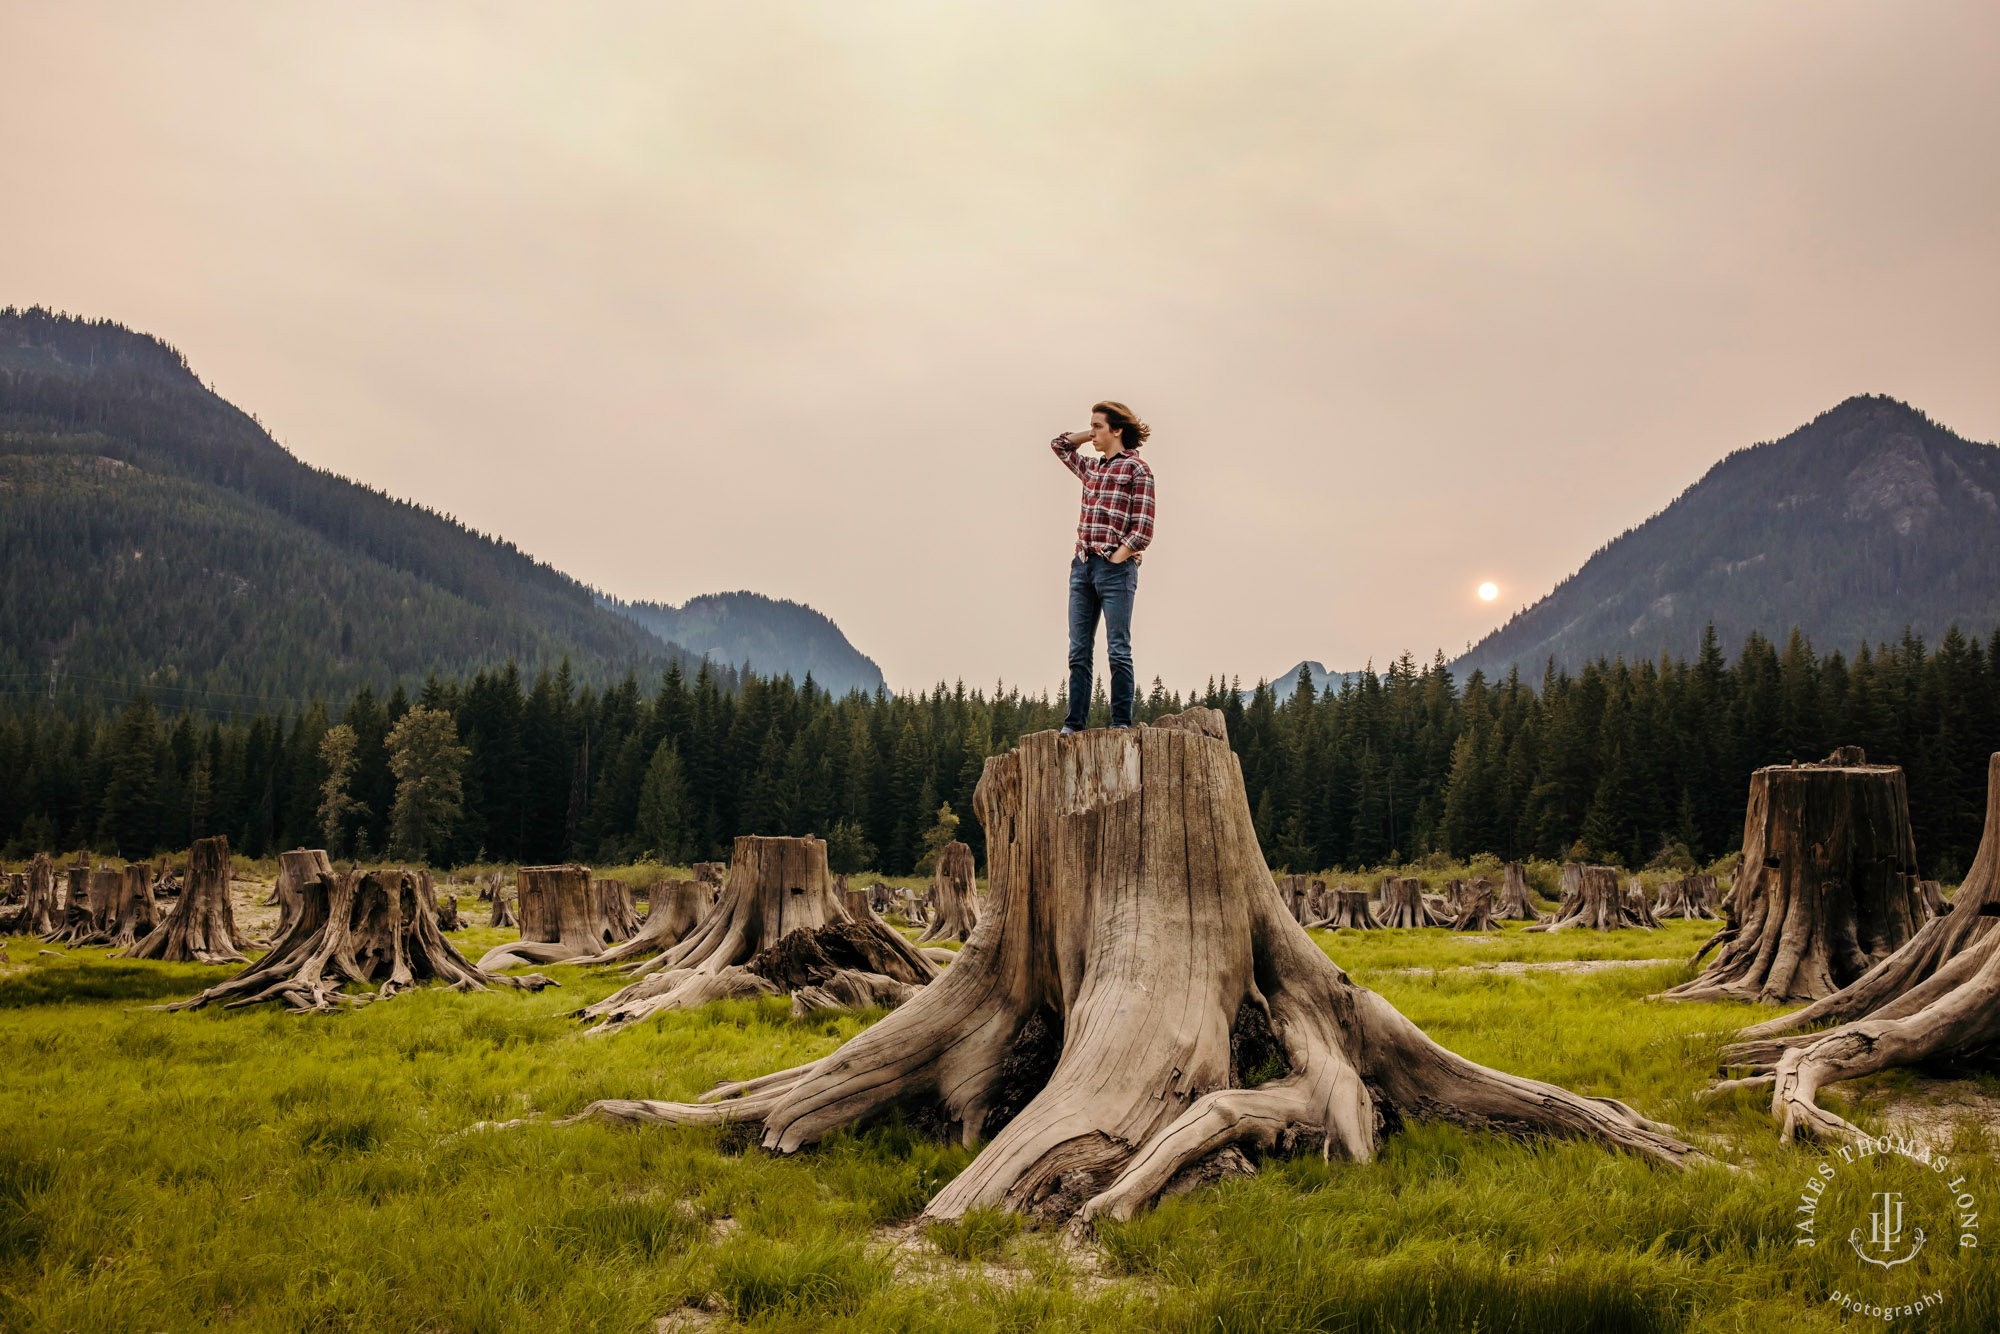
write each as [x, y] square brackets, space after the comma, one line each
[429, 765]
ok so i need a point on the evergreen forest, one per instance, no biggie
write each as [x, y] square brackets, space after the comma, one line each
[1618, 762]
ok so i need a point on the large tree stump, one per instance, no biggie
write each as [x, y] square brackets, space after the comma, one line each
[777, 886]
[1936, 998]
[39, 913]
[369, 928]
[1516, 904]
[674, 908]
[201, 928]
[74, 924]
[503, 909]
[619, 913]
[1638, 906]
[564, 916]
[1349, 911]
[1828, 886]
[1404, 905]
[122, 910]
[447, 903]
[954, 896]
[1134, 932]
[1690, 898]
[1593, 900]
[1475, 906]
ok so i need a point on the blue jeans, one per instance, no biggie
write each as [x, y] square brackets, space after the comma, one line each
[1097, 585]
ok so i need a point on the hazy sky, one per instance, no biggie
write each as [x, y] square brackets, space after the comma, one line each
[791, 297]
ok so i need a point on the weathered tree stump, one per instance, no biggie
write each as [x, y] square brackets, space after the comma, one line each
[201, 928]
[39, 913]
[362, 927]
[1638, 906]
[615, 906]
[1475, 906]
[1592, 900]
[73, 926]
[954, 896]
[564, 916]
[777, 886]
[674, 908]
[1828, 886]
[713, 874]
[1350, 911]
[122, 910]
[882, 897]
[1690, 898]
[1132, 931]
[503, 909]
[1515, 903]
[1404, 905]
[1292, 892]
[1935, 999]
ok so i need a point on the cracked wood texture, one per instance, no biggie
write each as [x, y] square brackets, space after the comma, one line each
[1828, 887]
[1131, 928]
[201, 928]
[1936, 998]
[954, 896]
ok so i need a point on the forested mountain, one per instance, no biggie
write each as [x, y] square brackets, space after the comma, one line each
[775, 637]
[153, 534]
[1870, 519]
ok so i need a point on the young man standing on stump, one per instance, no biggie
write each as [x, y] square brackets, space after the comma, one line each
[1115, 526]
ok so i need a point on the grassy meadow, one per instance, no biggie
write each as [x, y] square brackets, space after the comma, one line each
[257, 1171]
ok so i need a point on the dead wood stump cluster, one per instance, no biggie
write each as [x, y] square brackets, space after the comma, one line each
[374, 928]
[39, 914]
[201, 927]
[1936, 998]
[1404, 903]
[564, 915]
[776, 887]
[1133, 961]
[1593, 900]
[73, 923]
[1691, 898]
[673, 908]
[954, 896]
[1516, 904]
[1828, 886]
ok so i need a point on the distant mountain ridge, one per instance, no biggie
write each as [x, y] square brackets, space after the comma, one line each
[1870, 518]
[151, 533]
[776, 637]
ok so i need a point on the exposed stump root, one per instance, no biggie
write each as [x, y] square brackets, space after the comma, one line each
[1405, 905]
[1092, 1029]
[374, 929]
[1828, 887]
[1348, 910]
[1474, 906]
[673, 908]
[1936, 998]
[565, 916]
[1691, 898]
[778, 889]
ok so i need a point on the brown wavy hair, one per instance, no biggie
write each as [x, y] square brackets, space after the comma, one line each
[1131, 431]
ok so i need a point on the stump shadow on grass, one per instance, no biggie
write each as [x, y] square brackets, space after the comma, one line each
[84, 979]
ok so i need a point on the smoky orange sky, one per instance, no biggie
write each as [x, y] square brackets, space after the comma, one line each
[685, 298]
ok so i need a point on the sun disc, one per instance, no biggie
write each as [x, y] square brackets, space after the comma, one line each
[1488, 591]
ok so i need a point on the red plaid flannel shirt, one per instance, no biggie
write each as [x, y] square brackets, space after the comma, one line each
[1117, 500]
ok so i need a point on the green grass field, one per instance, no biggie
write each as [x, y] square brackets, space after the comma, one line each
[259, 1171]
